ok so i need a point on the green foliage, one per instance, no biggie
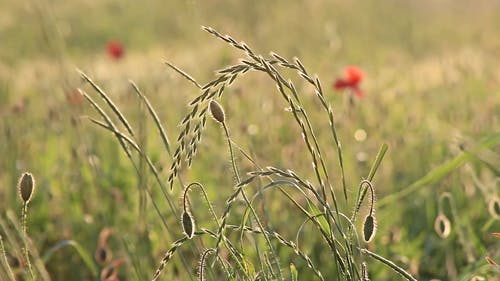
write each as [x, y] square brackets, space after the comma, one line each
[431, 95]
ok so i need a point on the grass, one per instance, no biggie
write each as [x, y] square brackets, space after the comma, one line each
[260, 210]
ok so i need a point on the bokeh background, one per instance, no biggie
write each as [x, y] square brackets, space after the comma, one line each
[432, 91]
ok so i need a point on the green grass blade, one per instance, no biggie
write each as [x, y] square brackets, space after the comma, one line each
[378, 160]
[315, 212]
[155, 117]
[441, 171]
[87, 260]
[109, 102]
[183, 74]
[293, 272]
[389, 264]
[371, 175]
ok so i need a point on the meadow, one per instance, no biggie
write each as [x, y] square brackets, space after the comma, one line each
[343, 140]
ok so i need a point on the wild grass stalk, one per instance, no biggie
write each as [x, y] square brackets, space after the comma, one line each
[13, 230]
[334, 233]
[390, 264]
[322, 206]
[218, 114]
[5, 263]
[126, 142]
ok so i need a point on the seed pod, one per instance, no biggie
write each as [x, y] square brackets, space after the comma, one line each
[217, 111]
[102, 255]
[26, 186]
[110, 272]
[491, 262]
[103, 236]
[494, 207]
[442, 226]
[369, 228]
[188, 224]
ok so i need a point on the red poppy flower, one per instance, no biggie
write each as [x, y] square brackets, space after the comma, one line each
[353, 76]
[115, 49]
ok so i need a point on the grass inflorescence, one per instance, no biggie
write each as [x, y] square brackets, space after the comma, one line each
[324, 209]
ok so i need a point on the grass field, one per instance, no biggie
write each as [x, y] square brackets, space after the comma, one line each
[103, 207]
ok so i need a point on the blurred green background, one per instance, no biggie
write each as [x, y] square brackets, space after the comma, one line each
[432, 84]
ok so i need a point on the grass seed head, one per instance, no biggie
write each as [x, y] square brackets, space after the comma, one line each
[217, 111]
[26, 186]
[369, 228]
[188, 224]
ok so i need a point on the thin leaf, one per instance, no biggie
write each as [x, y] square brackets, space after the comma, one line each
[442, 170]
[87, 260]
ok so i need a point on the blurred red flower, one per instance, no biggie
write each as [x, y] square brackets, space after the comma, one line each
[115, 49]
[74, 97]
[353, 76]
